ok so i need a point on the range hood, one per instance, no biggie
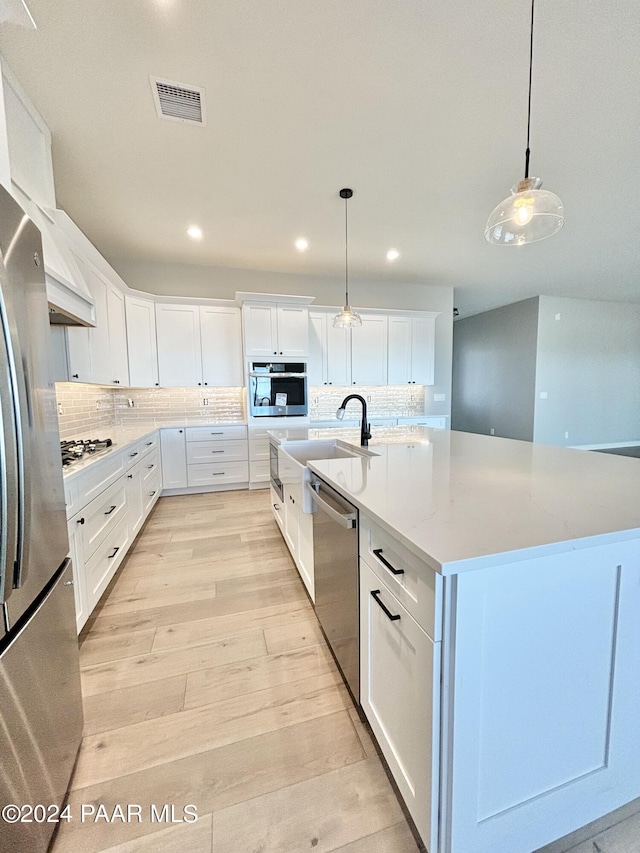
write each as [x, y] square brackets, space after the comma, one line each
[70, 300]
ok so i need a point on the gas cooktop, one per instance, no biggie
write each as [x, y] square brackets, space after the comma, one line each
[77, 449]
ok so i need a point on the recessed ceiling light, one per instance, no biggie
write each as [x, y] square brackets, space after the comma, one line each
[194, 232]
[301, 244]
[393, 255]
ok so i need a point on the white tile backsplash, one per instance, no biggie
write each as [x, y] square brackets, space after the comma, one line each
[383, 401]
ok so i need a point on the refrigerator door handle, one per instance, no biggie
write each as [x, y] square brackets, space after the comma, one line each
[19, 403]
[9, 466]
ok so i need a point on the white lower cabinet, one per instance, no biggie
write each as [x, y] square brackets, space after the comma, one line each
[174, 458]
[79, 585]
[110, 501]
[400, 695]
[277, 508]
[297, 529]
[135, 504]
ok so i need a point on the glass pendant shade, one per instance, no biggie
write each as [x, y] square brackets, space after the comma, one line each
[529, 214]
[347, 319]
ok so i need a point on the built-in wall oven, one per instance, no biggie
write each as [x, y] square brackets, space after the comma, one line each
[278, 389]
[335, 564]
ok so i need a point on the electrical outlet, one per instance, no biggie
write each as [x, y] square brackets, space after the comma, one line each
[566, 435]
[130, 403]
[205, 401]
[557, 316]
[543, 395]
[316, 400]
[439, 398]
[60, 409]
[493, 432]
[369, 398]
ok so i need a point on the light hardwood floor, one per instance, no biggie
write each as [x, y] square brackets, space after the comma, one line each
[206, 681]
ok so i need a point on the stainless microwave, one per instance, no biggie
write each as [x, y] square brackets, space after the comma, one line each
[278, 389]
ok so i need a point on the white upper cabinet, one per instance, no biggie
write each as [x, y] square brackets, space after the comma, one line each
[179, 360]
[117, 336]
[276, 329]
[221, 337]
[141, 342]
[329, 350]
[411, 350]
[89, 348]
[199, 345]
[369, 350]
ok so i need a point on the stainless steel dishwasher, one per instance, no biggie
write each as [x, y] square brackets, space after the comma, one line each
[335, 556]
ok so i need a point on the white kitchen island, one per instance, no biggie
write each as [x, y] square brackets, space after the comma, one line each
[506, 696]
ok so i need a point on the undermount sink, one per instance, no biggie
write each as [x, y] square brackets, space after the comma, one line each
[305, 451]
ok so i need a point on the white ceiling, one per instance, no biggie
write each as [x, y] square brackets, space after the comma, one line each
[418, 105]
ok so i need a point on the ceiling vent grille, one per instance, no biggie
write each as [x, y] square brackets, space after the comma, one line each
[177, 102]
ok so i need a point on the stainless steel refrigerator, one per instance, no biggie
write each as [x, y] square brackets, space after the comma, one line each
[40, 702]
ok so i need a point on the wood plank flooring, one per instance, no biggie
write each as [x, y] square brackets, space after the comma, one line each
[207, 682]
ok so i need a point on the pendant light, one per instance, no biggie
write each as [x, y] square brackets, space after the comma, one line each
[347, 318]
[529, 214]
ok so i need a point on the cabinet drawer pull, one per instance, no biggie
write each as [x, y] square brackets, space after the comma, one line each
[109, 511]
[115, 551]
[149, 443]
[151, 494]
[376, 594]
[80, 521]
[129, 476]
[385, 562]
[151, 466]
[276, 507]
[217, 433]
[217, 451]
[131, 455]
[218, 473]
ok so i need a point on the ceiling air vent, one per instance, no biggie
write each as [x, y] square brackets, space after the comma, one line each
[178, 102]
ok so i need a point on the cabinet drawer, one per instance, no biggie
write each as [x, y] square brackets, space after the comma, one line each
[217, 472]
[98, 477]
[413, 582]
[260, 471]
[432, 422]
[259, 449]
[400, 696]
[277, 507]
[151, 492]
[149, 444]
[150, 466]
[216, 433]
[102, 566]
[101, 516]
[216, 451]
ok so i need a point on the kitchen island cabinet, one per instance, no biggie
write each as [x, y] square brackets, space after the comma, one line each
[522, 589]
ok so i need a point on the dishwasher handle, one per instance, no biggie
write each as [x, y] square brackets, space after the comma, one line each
[348, 520]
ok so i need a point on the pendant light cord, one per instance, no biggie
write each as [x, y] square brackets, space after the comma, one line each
[528, 151]
[346, 252]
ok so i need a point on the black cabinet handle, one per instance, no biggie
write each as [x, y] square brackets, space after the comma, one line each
[80, 521]
[217, 451]
[218, 473]
[75, 376]
[131, 455]
[115, 551]
[385, 562]
[149, 443]
[109, 511]
[376, 594]
[157, 383]
[148, 466]
[129, 476]
[151, 494]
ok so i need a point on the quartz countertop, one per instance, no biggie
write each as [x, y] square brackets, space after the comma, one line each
[462, 501]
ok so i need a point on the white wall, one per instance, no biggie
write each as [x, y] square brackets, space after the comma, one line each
[170, 279]
[588, 365]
